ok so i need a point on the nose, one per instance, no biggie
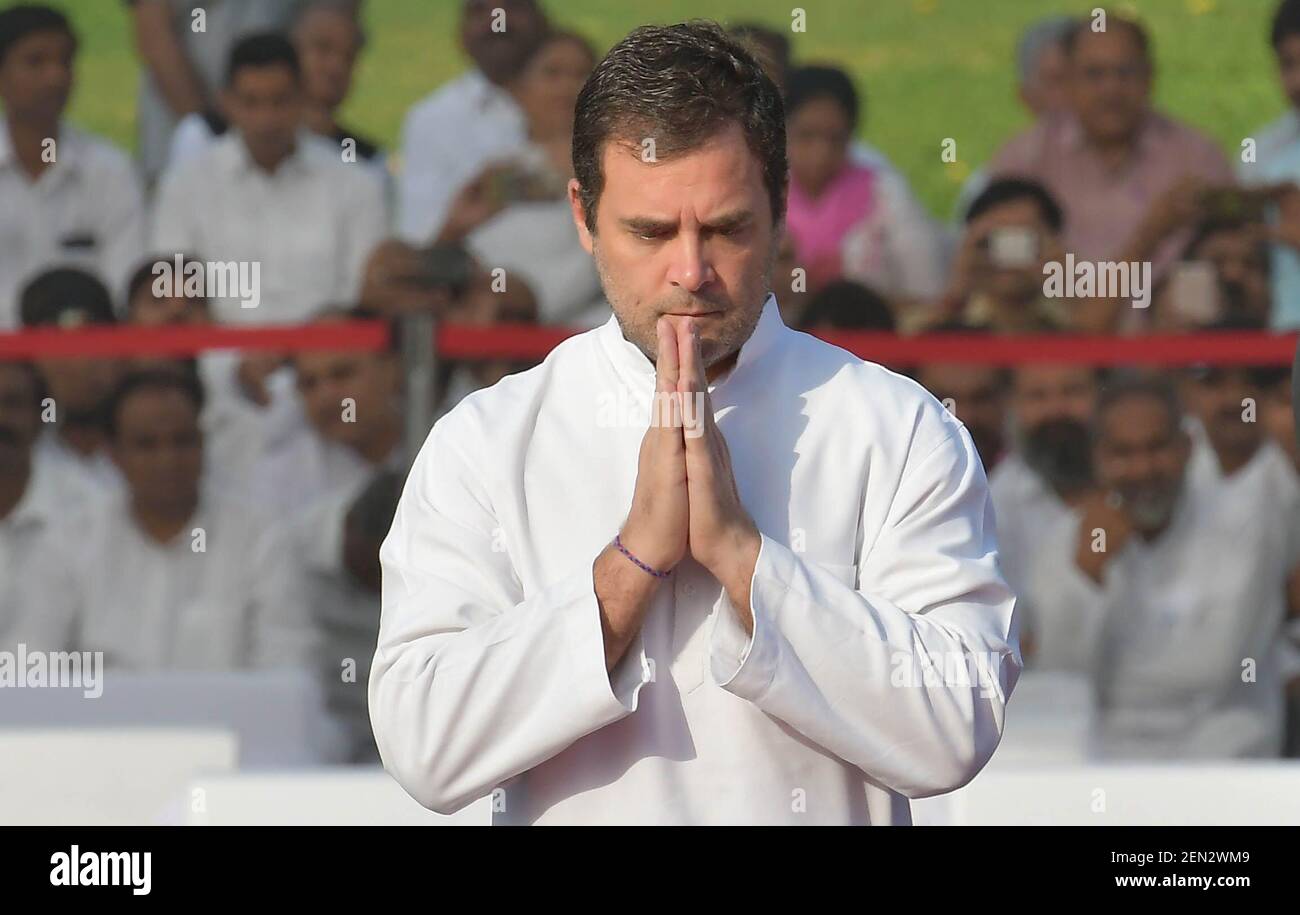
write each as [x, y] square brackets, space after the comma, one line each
[690, 268]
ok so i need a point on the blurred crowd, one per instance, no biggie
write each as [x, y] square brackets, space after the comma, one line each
[226, 511]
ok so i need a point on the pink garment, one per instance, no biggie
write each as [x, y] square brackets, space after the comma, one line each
[818, 225]
[1102, 206]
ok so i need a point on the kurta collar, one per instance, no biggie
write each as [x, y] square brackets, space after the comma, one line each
[639, 370]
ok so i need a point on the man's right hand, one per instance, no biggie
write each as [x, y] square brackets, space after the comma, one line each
[658, 523]
[1102, 516]
[473, 205]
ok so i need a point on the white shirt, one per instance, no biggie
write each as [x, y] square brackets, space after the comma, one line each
[97, 472]
[220, 596]
[52, 491]
[206, 52]
[1267, 484]
[344, 613]
[1183, 613]
[306, 467]
[447, 139]
[85, 210]
[1037, 536]
[310, 225]
[898, 249]
[193, 135]
[490, 667]
[538, 242]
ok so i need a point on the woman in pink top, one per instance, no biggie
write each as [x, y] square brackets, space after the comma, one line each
[850, 215]
[829, 195]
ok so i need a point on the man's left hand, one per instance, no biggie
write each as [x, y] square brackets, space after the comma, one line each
[723, 537]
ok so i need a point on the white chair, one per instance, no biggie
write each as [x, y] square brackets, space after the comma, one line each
[320, 797]
[278, 715]
[101, 777]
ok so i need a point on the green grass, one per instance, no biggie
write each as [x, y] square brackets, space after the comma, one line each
[930, 69]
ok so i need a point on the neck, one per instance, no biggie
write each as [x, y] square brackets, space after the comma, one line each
[28, 139]
[1015, 311]
[1152, 533]
[269, 163]
[1233, 459]
[376, 448]
[1114, 151]
[83, 438]
[13, 484]
[319, 119]
[718, 369]
[163, 525]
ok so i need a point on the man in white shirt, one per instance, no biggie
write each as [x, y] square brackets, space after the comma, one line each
[173, 576]
[283, 206]
[1038, 490]
[1190, 582]
[74, 438]
[335, 545]
[66, 197]
[1230, 444]
[452, 135]
[352, 402]
[33, 497]
[183, 47]
[778, 629]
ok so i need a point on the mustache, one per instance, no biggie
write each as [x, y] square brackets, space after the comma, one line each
[1060, 451]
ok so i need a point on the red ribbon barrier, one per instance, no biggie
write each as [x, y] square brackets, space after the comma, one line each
[527, 341]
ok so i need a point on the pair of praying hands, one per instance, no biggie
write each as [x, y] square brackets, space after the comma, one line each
[686, 501]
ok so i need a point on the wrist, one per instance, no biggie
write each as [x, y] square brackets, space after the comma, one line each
[643, 550]
[733, 565]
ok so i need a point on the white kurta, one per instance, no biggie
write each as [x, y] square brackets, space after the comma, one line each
[345, 616]
[310, 226]
[222, 599]
[1185, 614]
[53, 490]
[85, 211]
[293, 474]
[878, 555]
[448, 138]
[1037, 536]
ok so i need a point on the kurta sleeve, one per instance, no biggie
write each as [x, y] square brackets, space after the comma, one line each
[907, 675]
[474, 683]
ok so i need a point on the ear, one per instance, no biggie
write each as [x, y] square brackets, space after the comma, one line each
[579, 215]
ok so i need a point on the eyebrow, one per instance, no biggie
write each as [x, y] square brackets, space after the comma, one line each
[648, 224]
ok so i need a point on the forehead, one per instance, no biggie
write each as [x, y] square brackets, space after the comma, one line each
[151, 403]
[1018, 210]
[1136, 419]
[321, 21]
[307, 363]
[15, 377]
[1237, 242]
[957, 376]
[1117, 41]
[46, 41]
[273, 77]
[1038, 377]
[721, 174]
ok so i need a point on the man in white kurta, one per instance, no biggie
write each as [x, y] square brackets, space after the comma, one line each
[778, 602]
[1190, 581]
[878, 554]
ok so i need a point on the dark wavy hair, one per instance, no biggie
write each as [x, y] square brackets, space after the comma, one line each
[680, 85]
